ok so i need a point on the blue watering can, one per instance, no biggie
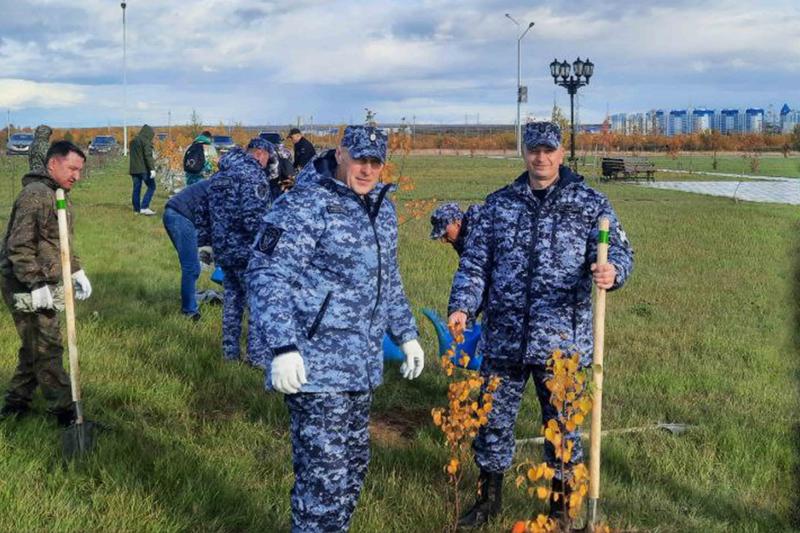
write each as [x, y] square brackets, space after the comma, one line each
[218, 276]
[392, 352]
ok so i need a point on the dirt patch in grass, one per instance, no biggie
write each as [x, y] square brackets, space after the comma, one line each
[397, 429]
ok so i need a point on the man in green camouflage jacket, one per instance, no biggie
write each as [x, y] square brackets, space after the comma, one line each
[38, 151]
[30, 274]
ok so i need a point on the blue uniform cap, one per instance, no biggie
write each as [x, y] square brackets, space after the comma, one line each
[259, 143]
[542, 134]
[365, 141]
[443, 216]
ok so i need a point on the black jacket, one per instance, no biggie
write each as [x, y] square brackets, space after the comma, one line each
[303, 152]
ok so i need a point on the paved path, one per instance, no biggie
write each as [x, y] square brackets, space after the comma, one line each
[771, 189]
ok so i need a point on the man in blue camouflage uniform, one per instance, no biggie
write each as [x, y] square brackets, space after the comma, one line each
[533, 252]
[451, 225]
[323, 287]
[238, 197]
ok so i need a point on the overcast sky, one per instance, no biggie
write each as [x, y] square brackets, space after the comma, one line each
[258, 61]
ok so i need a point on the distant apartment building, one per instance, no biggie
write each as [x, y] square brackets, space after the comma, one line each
[754, 120]
[619, 123]
[683, 121]
[730, 121]
[678, 122]
[702, 120]
[789, 119]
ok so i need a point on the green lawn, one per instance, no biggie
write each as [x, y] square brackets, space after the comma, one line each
[702, 334]
[770, 165]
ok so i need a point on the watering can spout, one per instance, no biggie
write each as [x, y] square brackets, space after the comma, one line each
[468, 346]
[442, 333]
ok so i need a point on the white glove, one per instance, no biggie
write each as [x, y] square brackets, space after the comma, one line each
[288, 373]
[83, 289]
[42, 298]
[415, 359]
[152, 173]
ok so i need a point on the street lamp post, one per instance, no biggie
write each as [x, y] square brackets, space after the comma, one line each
[580, 69]
[124, 83]
[522, 96]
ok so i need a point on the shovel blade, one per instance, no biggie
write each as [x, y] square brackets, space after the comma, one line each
[78, 440]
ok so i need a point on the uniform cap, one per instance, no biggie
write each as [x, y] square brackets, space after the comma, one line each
[443, 216]
[542, 134]
[365, 141]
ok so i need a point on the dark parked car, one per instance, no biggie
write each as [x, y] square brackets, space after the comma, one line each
[223, 143]
[272, 136]
[162, 135]
[19, 144]
[103, 144]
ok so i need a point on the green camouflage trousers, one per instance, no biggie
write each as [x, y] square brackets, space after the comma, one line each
[40, 356]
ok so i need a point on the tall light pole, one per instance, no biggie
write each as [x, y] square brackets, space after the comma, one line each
[124, 83]
[581, 69]
[522, 95]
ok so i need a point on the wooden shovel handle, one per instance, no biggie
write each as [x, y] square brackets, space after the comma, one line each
[597, 366]
[69, 303]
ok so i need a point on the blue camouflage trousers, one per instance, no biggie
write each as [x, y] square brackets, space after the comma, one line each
[330, 453]
[494, 444]
[233, 304]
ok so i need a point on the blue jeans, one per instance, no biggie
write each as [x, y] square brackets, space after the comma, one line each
[137, 191]
[183, 235]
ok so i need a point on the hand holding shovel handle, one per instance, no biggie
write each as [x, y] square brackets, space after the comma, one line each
[597, 379]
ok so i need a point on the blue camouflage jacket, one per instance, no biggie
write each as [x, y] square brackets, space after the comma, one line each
[468, 222]
[533, 258]
[238, 197]
[324, 280]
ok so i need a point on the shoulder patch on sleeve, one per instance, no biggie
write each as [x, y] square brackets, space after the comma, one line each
[262, 191]
[268, 240]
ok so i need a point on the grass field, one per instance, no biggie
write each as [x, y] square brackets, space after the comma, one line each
[705, 333]
[772, 165]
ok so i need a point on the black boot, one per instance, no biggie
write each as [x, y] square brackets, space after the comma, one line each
[557, 507]
[13, 411]
[490, 498]
[65, 416]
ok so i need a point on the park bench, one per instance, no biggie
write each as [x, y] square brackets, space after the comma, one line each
[627, 168]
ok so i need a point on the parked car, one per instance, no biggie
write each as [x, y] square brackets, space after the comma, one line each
[103, 144]
[162, 135]
[272, 136]
[19, 144]
[223, 143]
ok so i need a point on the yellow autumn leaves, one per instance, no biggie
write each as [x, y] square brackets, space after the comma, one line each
[467, 410]
[568, 394]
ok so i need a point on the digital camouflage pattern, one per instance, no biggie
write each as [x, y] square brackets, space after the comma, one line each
[494, 444]
[468, 223]
[141, 152]
[233, 305]
[443, 216]
[330, 455]
[446, 214]
[324, 280]
[365, 142]
[238, 197]
[533, 258]
[38, 151]
[30, 250]
[542, 134]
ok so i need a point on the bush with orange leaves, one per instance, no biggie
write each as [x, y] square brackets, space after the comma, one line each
[569, 395]
[399, 147]
[462, 419]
